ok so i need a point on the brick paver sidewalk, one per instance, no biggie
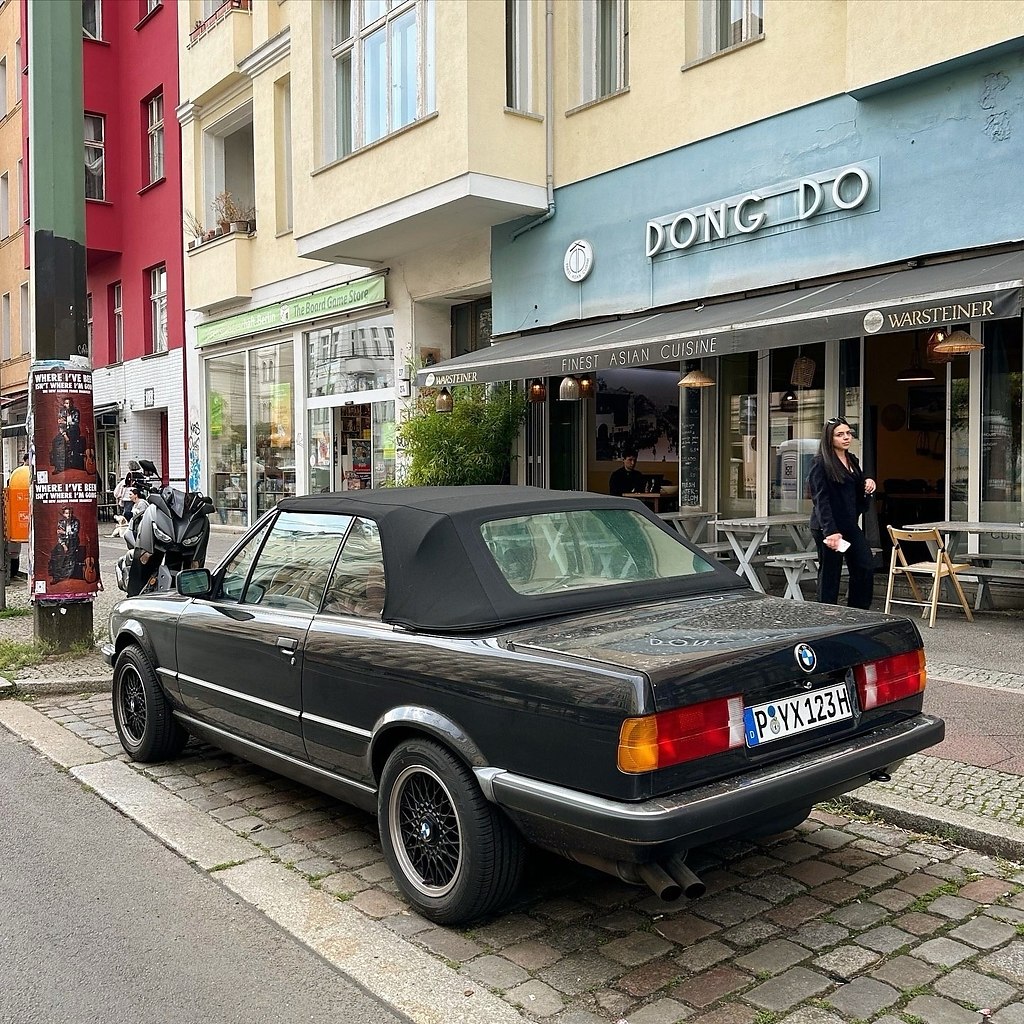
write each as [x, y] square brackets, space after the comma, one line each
[842, 920]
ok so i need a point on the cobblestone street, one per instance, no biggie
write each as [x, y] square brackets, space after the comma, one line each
[842, 920]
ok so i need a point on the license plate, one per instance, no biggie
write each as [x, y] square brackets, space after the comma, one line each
[778, 719]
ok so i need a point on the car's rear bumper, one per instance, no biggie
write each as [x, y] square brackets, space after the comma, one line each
[568, 820]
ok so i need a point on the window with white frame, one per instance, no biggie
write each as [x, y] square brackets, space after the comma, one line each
[5, 324]
[158, 308]
[517, 55]
[3, 86]
[94, 184]
[380, 74]
[5, 205]
[22, 212]
[116, 324]
[155, 129]
[726, 23]
[26, 319]
[92, 15]
[605, 68]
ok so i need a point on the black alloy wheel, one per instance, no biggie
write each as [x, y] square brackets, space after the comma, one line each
[145, 725]
[454, 855]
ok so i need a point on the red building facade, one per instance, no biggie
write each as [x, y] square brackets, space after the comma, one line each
[132, 167]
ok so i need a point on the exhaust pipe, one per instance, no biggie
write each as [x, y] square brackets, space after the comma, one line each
[691, 886]
[667, 881]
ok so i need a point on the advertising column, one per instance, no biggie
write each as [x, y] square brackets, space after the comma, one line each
[65, 539]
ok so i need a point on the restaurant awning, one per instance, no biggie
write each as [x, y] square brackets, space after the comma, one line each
[983, 288]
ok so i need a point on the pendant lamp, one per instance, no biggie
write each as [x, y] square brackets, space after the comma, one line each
[957, 342]
[586, 387]
[569, 390]
[537, 392]
[697, 379]
[443, 402]
[915, 372]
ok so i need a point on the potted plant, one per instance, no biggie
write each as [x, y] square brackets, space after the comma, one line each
[472, 444]
[231, 214]
[195, 229]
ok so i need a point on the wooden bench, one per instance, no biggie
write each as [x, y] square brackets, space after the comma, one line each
[986, 573]
[798, 566]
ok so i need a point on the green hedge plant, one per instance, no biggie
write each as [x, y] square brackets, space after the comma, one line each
[472, 444]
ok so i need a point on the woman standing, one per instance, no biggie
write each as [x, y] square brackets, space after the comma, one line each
[839, 492]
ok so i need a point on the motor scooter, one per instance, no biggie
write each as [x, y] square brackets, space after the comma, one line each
[170, 533]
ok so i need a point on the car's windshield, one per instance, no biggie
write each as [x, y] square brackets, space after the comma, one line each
[558, 551]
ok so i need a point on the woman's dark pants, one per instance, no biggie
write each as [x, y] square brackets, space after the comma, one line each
[859, 560]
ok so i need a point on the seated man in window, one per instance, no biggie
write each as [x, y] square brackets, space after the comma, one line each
[627, 479]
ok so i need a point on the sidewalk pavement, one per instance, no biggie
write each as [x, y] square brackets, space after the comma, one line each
[900, 903]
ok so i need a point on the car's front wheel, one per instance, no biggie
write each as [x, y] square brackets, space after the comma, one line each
[142, 714]
[454, 855]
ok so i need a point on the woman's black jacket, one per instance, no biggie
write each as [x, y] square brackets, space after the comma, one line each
[837, 504]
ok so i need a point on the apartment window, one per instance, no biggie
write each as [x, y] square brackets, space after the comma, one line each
[88, 324]
[5, 324]
[471, 326]
[725, 23]
[116, 324]
[158, 308]
[94, 187]
[92, 14]
[17, 70]
[155, 121]
[5, 205]
[26, 319]
[381, 69]
[606, 48]
[517, 54]
[3, 86]
[22, 212]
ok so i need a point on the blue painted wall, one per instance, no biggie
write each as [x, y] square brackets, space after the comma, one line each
[949, 157]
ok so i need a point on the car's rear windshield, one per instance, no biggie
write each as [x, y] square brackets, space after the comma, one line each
[557, 551]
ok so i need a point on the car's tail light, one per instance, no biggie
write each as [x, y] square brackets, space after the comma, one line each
[882, 682]
[683, 734]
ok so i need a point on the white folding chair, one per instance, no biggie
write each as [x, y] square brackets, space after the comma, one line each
[938, 568]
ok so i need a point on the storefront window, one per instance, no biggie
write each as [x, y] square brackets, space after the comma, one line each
[1001, 439]
[227, 426]
[250, 400]
[795, 418]
[738, 434]
[383, 469]
[272, 409]
[351, 357]
[321, 451]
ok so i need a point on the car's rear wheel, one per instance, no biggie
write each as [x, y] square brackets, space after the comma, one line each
[454, 855]
[142, 714]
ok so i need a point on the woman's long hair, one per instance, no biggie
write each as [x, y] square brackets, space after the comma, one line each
[834, 469]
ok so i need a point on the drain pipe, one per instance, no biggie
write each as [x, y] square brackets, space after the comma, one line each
[549, 120]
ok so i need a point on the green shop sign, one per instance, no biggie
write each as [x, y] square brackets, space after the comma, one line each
[368, 291]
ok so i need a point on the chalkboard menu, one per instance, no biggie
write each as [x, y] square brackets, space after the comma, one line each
[689, 446]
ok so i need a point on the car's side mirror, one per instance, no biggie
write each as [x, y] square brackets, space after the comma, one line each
[194, 583]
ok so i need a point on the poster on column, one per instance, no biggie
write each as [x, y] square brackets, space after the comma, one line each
[65, 540]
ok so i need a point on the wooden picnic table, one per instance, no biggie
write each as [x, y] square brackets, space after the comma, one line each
[747, 534]
[983, 570]
[690, 522]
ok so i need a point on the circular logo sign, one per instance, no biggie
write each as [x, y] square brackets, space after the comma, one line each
[428, 381]
[873, 322]
[805, 657]
[579, 260]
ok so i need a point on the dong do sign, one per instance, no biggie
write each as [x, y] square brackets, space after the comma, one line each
[769, 210]
[369, 291]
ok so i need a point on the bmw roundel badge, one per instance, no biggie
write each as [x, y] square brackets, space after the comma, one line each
[805, 657]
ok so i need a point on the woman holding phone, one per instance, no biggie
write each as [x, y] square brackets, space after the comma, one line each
[839, 493]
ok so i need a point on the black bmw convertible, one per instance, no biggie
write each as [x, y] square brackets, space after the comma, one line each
[487, 667]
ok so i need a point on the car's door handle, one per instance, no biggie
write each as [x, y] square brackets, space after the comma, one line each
[287, 644]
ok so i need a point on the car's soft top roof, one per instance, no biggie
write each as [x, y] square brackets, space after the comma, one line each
[441, 577]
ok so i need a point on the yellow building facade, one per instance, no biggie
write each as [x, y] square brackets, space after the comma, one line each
[374, 152]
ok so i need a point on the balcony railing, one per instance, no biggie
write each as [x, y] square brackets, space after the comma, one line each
[202, 27]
